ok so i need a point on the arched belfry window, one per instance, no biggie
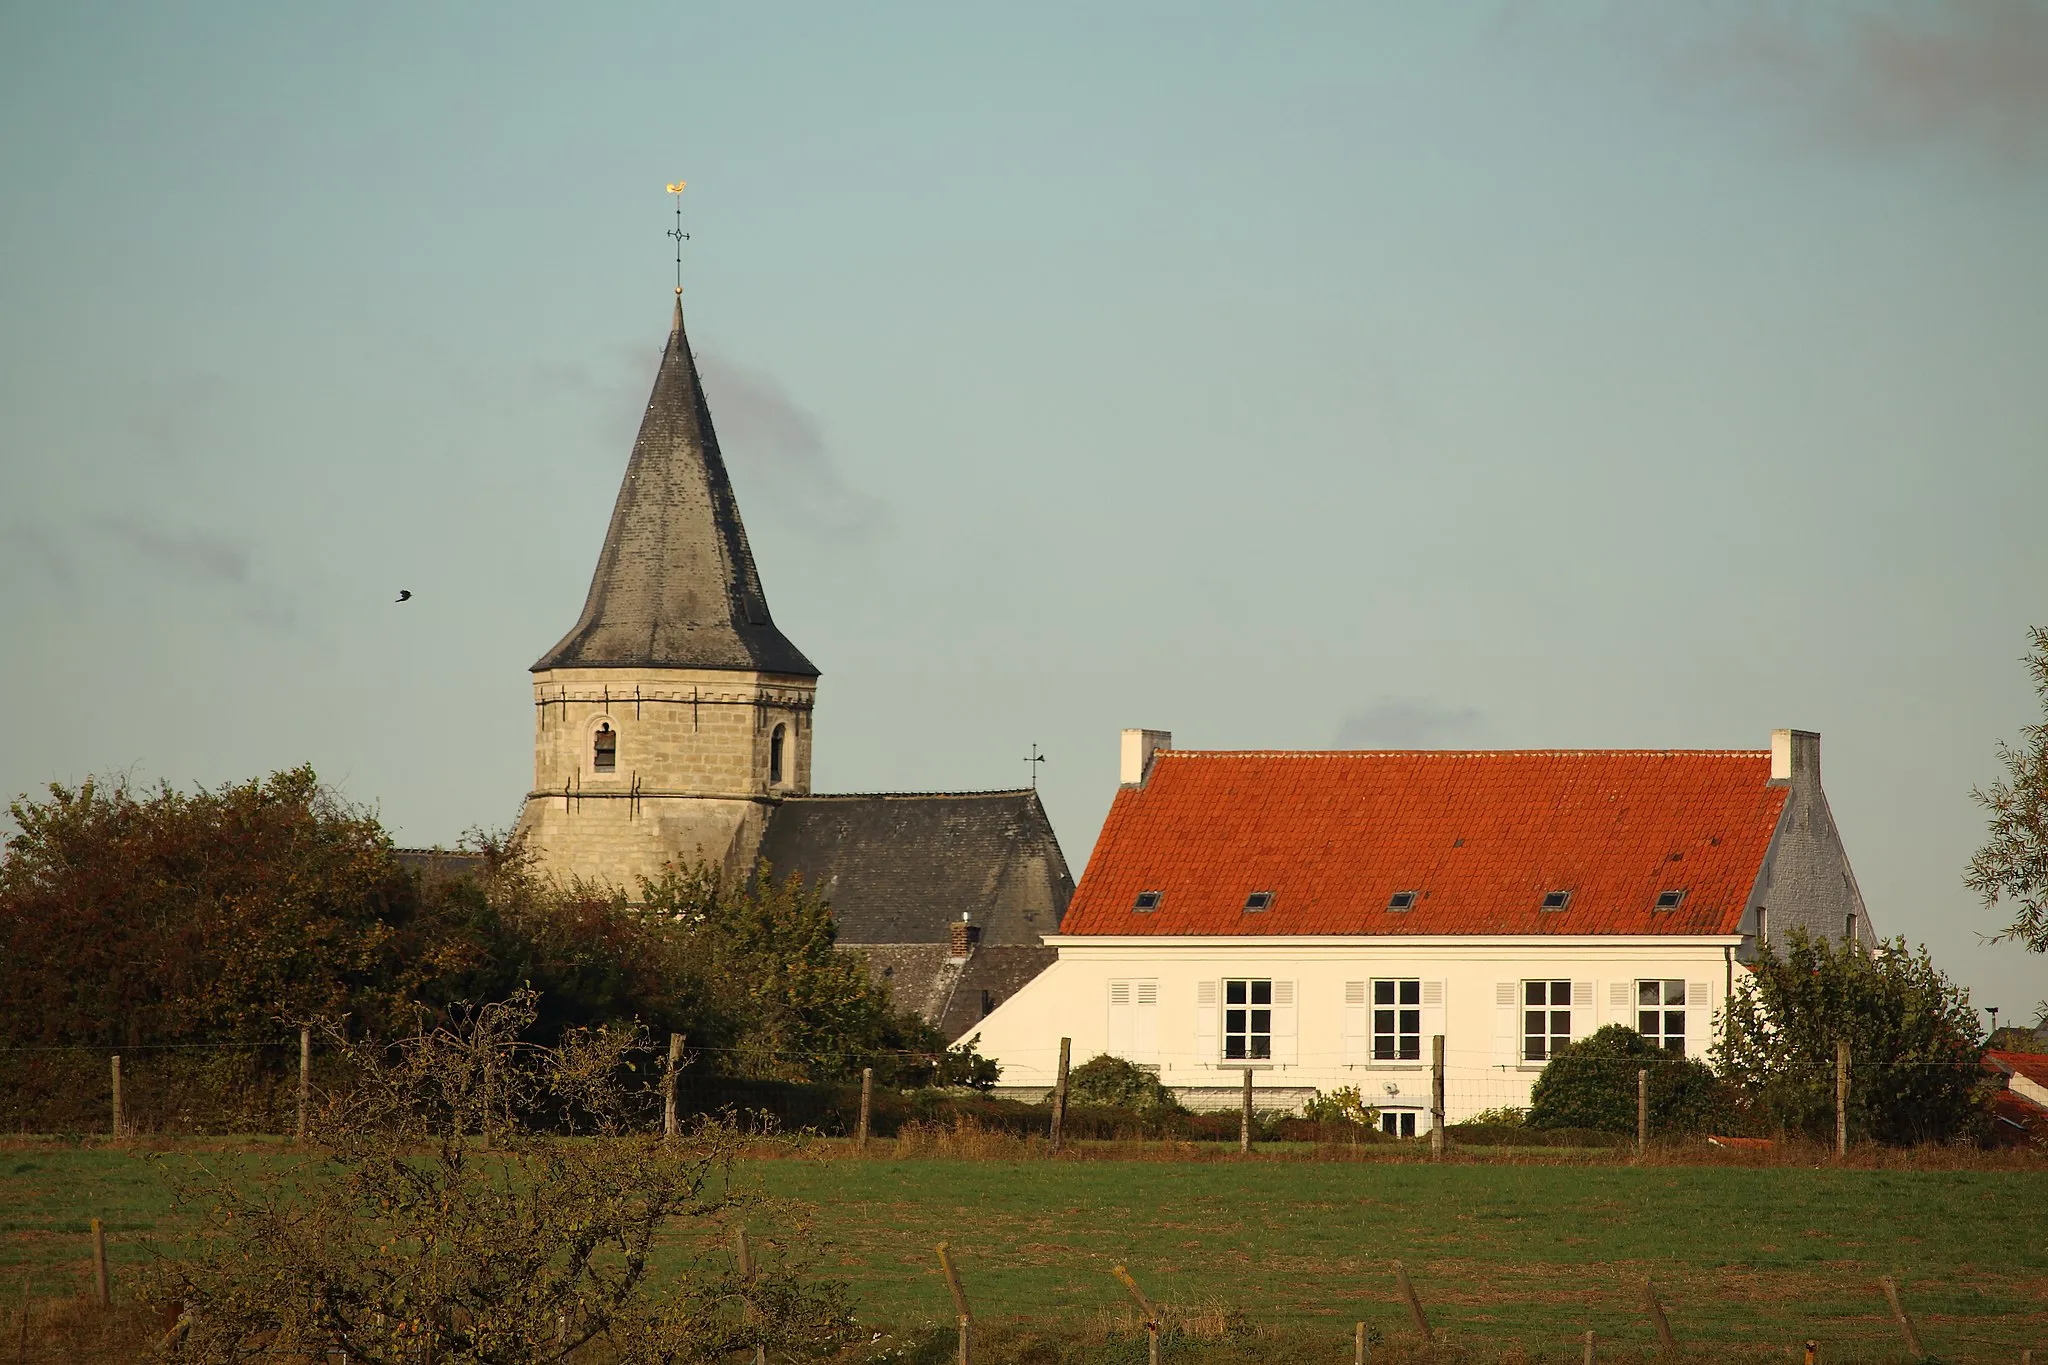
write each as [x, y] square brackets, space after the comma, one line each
[775, 743]
[604, 750]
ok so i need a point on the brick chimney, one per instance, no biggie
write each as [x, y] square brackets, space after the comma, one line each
[961, 937]
[1138, 748]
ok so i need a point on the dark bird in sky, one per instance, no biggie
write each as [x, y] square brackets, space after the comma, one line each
[405, 594]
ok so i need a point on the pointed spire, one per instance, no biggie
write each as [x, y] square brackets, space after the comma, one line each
[675, 585]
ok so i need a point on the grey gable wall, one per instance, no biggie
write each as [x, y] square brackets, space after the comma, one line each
[1806, 881]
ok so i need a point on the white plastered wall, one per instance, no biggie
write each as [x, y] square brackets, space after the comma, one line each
[1321, 1042]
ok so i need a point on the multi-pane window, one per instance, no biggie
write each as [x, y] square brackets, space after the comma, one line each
[1397, 1021]
[1660, 1013]
[1397, 1122]
[1546, 1018]
[1248, 1021]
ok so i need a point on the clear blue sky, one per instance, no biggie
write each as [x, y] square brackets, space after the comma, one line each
[1280, 376]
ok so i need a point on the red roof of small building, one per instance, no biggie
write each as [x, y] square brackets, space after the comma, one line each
[2032, 1065]
[1479, 836]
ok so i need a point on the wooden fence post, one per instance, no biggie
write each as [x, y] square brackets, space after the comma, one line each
[1145, 1307]
[1589, 1346]
[1812, 1356]
[21, 1337]
[1415, 1313]
[1244, 1118]
[1059, 1095]
[866, 1125]
[959, 1305]
[1361, 1349]
[1841, 1097]
[305, 1079]
[1891, 1293]
[743, 1261]
[1642, 1109]
[1436, 1095]
[100, 1292]
[117, 1094]
[669, 1122]
[1663, 1324]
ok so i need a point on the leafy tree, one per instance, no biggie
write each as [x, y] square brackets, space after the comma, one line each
[164, 916]
[1115, 1083]
[2012, 866]
[1342, 1105]
[1914, 1040]
[447, 1216]
[1592, 1084]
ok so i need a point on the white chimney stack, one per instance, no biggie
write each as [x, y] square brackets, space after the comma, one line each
[1795, 753]
[1138, 748]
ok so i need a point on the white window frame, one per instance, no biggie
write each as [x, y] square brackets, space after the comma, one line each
[1399, 1008]
[1251, 1008]
[1661, 1011]
[1549, 1013]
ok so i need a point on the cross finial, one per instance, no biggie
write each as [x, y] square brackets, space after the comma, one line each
[1032, 763]
[677, 232]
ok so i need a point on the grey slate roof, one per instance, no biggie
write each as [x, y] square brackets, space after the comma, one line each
[675, 585]
[901, 868]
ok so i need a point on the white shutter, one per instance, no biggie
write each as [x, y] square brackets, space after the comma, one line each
[1286, 1046]
[1145, 1022]
[1507, 1030]
[1583, 1022]
[1357, 1024]
[1205, 1023]
[1120, 1020]
[1621, 1003]
[1699, 1018]
[1432, 1015]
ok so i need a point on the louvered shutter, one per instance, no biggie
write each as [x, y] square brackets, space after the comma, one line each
[1621, 1003]
[1120, 1020]
[1145, 1022]
[1432, 1015]
[1583, 1022]
[1357, 1024]
[1507, 1032]
[1205, 1023]
[1699, 1018]
[1286, 1046]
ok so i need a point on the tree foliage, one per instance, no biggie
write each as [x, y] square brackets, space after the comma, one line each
[1592, 1084]
[164, 917]
[1115, 1083]
[1914, 1041]
[449, 1216]
[2012, 866]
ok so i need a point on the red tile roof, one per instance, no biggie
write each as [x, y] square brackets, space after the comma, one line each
[1480, 835]
[2032, 1065]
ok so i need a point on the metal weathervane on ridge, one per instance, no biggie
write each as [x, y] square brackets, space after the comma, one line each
[677, 232]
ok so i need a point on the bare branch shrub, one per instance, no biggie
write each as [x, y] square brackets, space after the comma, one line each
[478, 1199]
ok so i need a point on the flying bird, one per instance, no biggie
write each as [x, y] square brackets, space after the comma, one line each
[405, 594]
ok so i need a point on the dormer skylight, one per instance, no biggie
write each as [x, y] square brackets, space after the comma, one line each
[1402, 900]
[1556, 900]
[1257, 901]
[1669, 900]
[1147, 901]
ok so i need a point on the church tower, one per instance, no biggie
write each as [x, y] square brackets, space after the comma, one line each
[674, 716]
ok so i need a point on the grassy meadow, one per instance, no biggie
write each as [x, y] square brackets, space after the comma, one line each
[1509, 1256]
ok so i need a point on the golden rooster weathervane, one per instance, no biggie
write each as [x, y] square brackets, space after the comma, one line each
[677, 232]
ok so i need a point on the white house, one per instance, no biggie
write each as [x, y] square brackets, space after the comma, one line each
[1318, 916]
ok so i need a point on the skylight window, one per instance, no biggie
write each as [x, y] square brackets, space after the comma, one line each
[1668, 900]
[1147, 901]
[1257, 901]
[1401, 900]
[1556, 900]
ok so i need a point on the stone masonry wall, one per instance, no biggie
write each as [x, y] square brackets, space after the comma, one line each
[692, 779]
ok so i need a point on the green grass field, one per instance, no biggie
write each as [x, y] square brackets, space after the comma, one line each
[1502, 1253]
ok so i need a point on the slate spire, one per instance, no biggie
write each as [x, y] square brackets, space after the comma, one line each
[675, 585]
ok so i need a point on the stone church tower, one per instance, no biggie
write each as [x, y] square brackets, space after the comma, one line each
[673, 718]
